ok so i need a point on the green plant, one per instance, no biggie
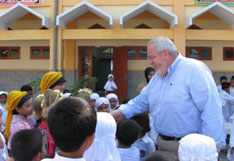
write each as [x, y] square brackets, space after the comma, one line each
[84, 82]
[35, 84]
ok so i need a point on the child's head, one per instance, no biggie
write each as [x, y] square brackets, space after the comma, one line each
[3, 97]
[143, 121]
[27, 89]
[72, 124]
[28, 145]
[102, 105]
[226, 86]
[110, 77]
[223, 79]
[104, 145]
[113, 99]
[197, 147]
[17, 103]
[232, 81]
[127, 132]
[93, 98]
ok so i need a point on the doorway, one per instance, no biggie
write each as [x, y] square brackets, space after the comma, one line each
[99, 62]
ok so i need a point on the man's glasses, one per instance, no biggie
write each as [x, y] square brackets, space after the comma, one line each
[149, 58]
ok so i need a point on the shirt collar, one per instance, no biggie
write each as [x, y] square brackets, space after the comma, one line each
[173, 66]
[61, 158]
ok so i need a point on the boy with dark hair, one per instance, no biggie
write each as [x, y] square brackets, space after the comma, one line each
[27, 145]
[222, 79]
[144, 143]
[72, 124]
[127, 133]
[27, 89]
[226, 100]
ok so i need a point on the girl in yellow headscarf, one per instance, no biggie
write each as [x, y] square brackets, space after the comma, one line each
[52, 80]
[19, 107]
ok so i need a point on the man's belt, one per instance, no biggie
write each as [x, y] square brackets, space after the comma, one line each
[169, 138]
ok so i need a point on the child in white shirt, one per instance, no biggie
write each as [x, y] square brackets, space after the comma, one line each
[3, 147]
[110, 85]
[3, 100]
[127, 133]
[104, 146]
[144, 143]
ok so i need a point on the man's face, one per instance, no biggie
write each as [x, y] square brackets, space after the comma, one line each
[157, 60]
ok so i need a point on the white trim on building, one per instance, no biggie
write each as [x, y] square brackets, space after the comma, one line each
[79, 10]
[153, 8]
[17, 11]
[218, 9]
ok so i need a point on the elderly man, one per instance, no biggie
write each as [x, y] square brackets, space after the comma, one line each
[181, 97]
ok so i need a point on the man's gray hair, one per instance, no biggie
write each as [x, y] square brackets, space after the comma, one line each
[163, 43]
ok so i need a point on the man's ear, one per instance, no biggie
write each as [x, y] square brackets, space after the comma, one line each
[166, 54]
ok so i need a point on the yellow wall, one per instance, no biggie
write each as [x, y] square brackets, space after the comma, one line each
[24, 63]
[216, 64]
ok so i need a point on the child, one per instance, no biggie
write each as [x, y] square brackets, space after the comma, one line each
[226, 100]
[114, 101]
[72, 124]
[18, 104]
[28, 145]
[110, 85]
[3, 148]
[3, 100]
[52, 80]
[42, 109]
[144, 143]
[197, 147]
[93, 98]
[102, 105]
[104, 146]
[27, 89]
[127, 133]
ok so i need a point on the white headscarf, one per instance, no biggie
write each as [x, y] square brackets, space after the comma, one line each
[3, 92]
[197, 147]
[110, 85]
[112, 95]
[104, 146]
[100, 101]
[94, 96]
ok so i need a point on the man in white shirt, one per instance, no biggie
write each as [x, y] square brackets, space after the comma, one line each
[182, 97]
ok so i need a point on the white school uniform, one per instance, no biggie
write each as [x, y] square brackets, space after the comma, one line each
[226, 100]
[61, 158]
[110, 85]
[104, 146]
[3, 151]
[129, 154]
[197, 147]
[232, 94]
[145, 145]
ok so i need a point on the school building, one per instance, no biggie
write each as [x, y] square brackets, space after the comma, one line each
[97, 37]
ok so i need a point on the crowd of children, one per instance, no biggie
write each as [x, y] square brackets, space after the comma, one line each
[58, 126]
